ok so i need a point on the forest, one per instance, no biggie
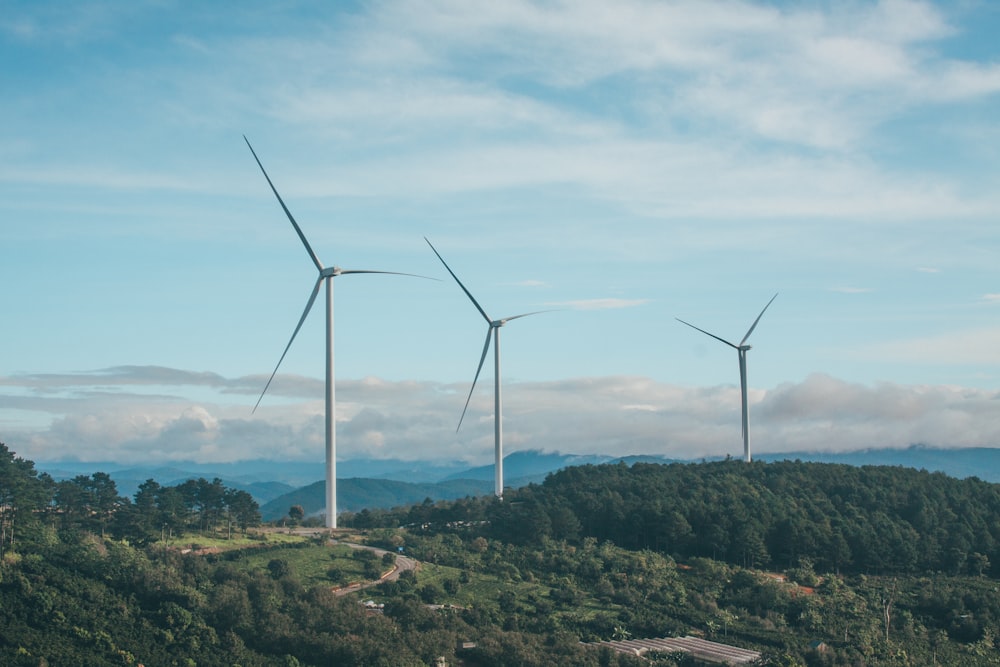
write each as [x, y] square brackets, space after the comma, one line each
[810, 564]
[841, 518]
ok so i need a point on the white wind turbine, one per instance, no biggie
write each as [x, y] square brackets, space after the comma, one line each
[494, 330]
[326, 274]
[741, 349]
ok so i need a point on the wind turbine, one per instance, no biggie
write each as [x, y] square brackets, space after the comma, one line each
[494, 331]
[326, 275]
[742, 350]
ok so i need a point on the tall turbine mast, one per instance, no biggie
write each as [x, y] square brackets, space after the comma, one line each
[494, 331]
[741, 350]
[326, 275]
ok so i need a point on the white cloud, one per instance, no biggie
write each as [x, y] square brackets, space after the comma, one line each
[407, 117]
[823, 413]
[606, 415]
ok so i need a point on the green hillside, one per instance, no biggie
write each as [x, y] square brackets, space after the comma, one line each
[740, 554]
[355, 494]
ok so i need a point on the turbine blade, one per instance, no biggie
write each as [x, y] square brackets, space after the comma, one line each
[344, 272]
[467, 292]
[298, 230]
[754, 325]
[305, 313]
[486, 349]
[707, 333]
[535, 312]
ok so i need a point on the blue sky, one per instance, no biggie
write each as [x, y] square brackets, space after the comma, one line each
[623, 163]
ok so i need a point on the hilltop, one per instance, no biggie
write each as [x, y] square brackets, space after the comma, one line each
[382, 483]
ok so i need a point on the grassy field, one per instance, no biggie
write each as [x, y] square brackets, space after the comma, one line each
[310, 561]
[311, 564]
[224, 542]
[479, 588]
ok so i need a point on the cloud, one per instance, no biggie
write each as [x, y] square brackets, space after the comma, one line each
[792, 74]
[602, 415]
[824, 413]
[442, 98]
[117, 376]
[67, 25]
[991, 298]
[852, 290]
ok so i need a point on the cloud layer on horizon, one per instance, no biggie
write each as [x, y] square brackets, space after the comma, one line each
[130, 415]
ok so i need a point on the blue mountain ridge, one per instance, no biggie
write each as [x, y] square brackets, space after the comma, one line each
[375, 483]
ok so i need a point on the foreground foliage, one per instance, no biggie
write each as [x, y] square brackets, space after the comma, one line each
[587, 556]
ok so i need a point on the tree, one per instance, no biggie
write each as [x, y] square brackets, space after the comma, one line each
[242, 508]
[278, 567]
[173, 507]
[22, 493]
[208, 499]
[886, 600]
[88, 503]
[146, 515]
[295, 514]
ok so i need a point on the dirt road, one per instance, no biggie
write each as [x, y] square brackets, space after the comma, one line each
[403, 564]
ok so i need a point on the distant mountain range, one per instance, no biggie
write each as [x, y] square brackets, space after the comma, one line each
[364, 483]
[356, 493]
[981, 462]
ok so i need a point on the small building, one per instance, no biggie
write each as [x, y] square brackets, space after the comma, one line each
[819, 646]
[702, 649]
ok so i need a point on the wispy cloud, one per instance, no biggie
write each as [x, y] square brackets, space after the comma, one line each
[421, 122]
[852, 290]
[118, 376]
[992, 298]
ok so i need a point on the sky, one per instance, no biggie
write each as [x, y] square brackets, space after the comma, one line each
[619, 164]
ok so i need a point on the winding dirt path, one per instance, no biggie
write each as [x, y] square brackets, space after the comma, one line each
[403, 564]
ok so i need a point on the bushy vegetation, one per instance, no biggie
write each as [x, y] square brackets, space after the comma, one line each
[741, 554]
[840, 518]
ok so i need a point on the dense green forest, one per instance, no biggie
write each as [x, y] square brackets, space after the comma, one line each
[840, 518]
[868, 519]
[811, 564]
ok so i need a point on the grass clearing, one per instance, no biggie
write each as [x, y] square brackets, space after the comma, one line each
[224, 542]
[311, 564]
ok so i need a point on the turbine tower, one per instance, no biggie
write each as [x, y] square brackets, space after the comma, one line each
[494, 331]
[742, 350]
[326, 275]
